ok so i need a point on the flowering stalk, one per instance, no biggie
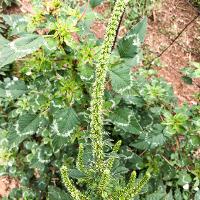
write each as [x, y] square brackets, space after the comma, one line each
[99, 188]
[75, 193]
[97, 100]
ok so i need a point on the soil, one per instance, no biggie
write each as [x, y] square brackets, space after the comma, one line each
[166, 23]
[6, 185]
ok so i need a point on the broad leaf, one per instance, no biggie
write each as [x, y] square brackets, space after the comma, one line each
[129, 45]
[55, 193]
[150, 138]
[29, 124]
[20, 48]
[120, 75]
[18, 23]
[12, 89]
[125, 120]
[65, 121]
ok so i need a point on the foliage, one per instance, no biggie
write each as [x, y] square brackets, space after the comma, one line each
[196, 3]
[45, 100]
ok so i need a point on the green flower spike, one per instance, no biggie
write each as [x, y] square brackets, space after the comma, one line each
[133, 190]
[115, 150]
[97, 100]
[79, 162]
[75, 193]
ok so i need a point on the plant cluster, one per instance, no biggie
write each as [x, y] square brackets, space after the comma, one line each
[47, 78]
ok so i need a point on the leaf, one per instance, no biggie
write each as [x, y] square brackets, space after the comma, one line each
[129, 45]
[17, 23]
[55, 193]
[169, 196]
[95, 3]
[158, 195]
[20, 48]
[76, 174]
[120, 78]
[150, 139]
[187, 80]
[65, 121]
[120, 75]
[120, 170]
[125, 120]
[177, 194]
[44, 154]
[197, 195]
[58, 142]
[29, 124]
[12, 89]
[3, 41]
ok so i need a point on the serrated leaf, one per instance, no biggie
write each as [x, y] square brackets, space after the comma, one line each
[58, 142]
[20, 48]
[150, 139]
[120, 78]
[76, 174]
[17, 23]
[120, 75]
[65, 121]
[29, 124]
[124, 119]
[129, 45]
[55, 193]
[12, 89]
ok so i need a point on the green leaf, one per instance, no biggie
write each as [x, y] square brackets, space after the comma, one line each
[129, 45]
[29, 124]
[125, 120]
[58, 142]
[17, 23]
[158, 195]
[12, 89]
[76, 174]
[65, 121]
[177, 194]
[184, 178]
[95, 3]
[20, 48]
[3, 41]
[150, 139]
[55, 193]
[187, 80]
[120, 75]
[197, 195]
[120, 78]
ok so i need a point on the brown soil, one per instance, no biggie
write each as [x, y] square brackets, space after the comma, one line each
[6, 185]
[167, 24]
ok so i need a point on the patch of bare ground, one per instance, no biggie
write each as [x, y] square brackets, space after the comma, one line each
[6, 185]
[169, 20]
